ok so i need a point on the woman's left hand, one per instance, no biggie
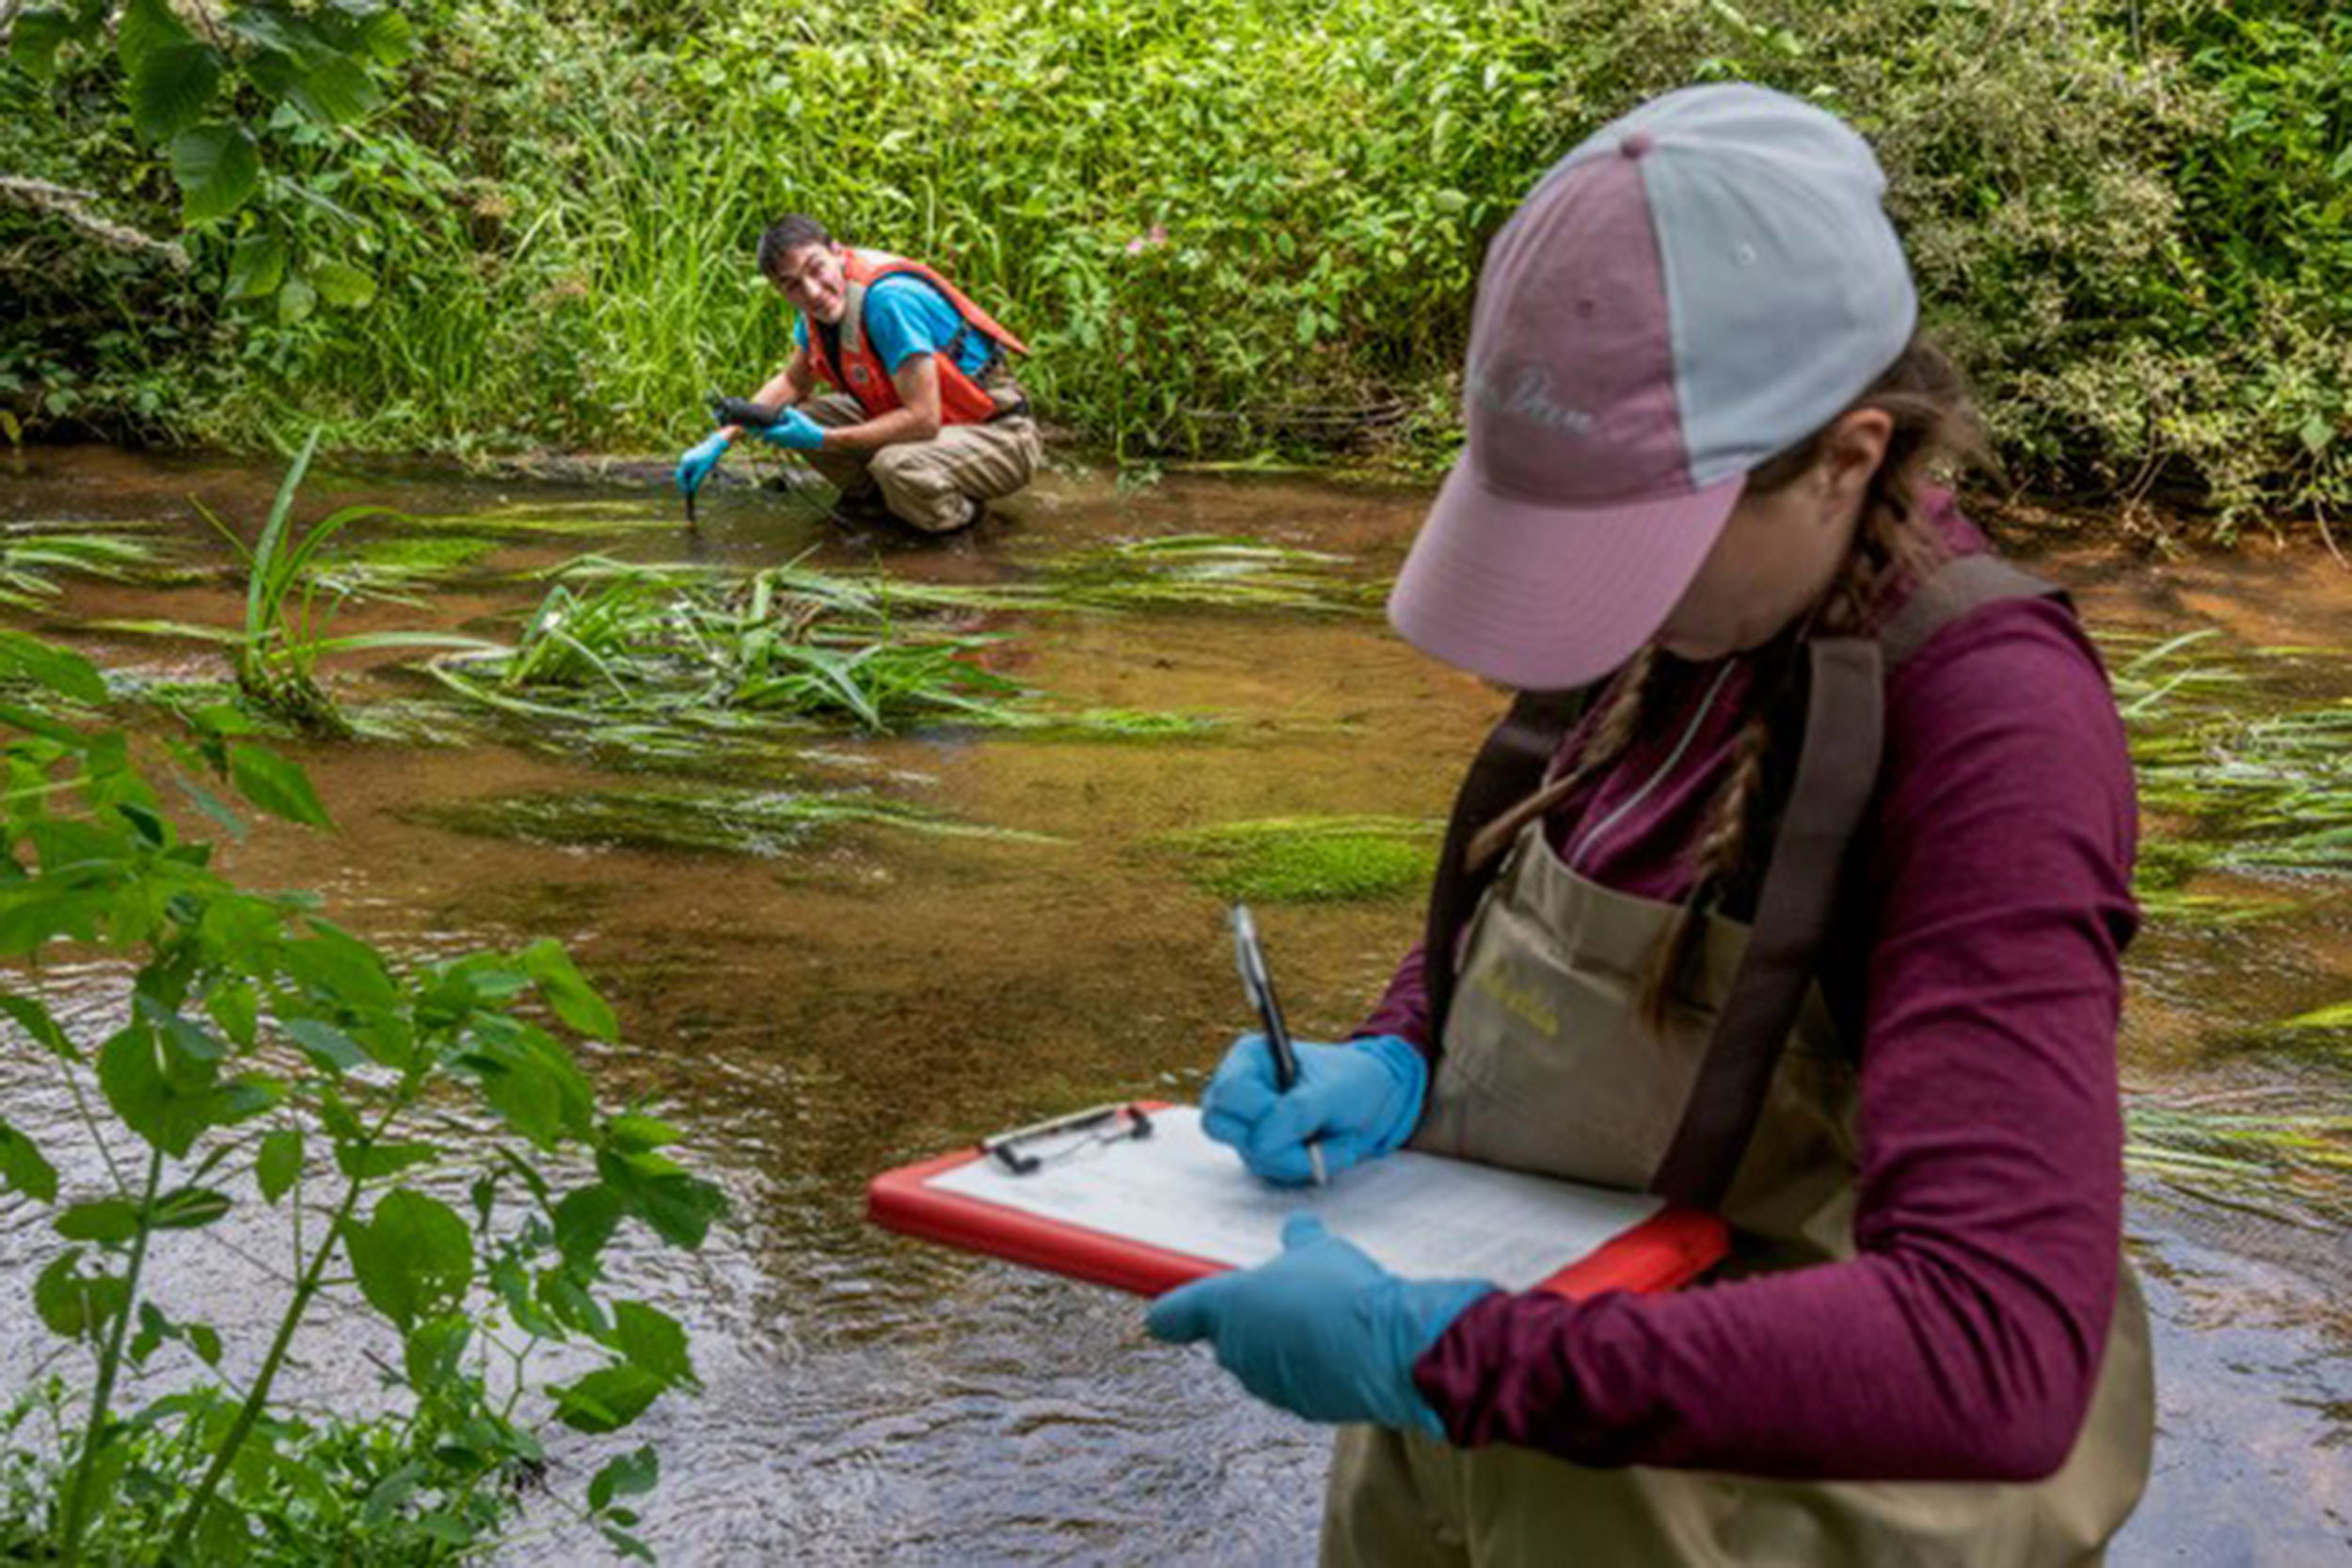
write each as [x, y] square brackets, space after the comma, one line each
[1322, 1331]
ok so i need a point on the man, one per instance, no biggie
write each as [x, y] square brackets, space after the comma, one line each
[925, 424]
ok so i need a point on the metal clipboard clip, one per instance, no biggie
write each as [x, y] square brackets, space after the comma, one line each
[1027, 1149]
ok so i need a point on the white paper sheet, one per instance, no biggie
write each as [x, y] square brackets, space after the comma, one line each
[1420, 1216]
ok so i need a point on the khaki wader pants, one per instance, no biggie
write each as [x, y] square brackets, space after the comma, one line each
[933, 486]
[1546, 1070]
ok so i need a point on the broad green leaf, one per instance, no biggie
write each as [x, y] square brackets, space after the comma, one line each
[633, 1133]
[279, 1163]
[295, 301]
[626, 1546]
[147, 26]
[568, 991]
[512, 1284]
[531, 1081]
[256, 266]
[244, 1096]
[109, 1221]
[2338, 1016]
[34, 1021]
[184, 1037]
[573, 1306]
[22, 1167]
[170, 88]
[335, 965]
[368, 1162]
[385, 1499]
[334, 91]
[584, 1221]
[275, 785]
[73, 1304]
[205, 1341]
[235, 1006]
[629, 1475]
[276, 29]
[146, 1089]
[652, 1339]
[677, 1205]
[60, 669]
[34, 42]
[218, 168]
[326, 1044]
[608, 1399]
[33, 913]
[342, 285]
[413, 1258]
[213, 806]
[154, 1329]
[189, 1209]
[445, 1527]
[433, 1351]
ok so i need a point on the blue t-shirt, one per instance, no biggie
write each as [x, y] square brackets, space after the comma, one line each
[905, 316]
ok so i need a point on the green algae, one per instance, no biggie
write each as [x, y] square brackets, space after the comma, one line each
[1299, 860]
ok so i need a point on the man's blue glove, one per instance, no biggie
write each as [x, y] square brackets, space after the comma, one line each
[1322, 1331]
[1357, 1100]
[795, 430]
[696, 465]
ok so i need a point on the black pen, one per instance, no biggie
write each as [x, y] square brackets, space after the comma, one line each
[1255, 979]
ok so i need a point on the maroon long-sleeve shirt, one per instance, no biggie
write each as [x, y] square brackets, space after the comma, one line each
[1980, 956]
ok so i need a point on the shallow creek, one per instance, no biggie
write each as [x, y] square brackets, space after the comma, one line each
[815, 1012]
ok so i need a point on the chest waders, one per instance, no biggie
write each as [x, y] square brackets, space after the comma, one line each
[1745, 1104]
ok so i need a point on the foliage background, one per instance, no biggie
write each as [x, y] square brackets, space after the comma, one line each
[1227, 226]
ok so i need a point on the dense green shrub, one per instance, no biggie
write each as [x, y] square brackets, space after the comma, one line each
[1231, 224]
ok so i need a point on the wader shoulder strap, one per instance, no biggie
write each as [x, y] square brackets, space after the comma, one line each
[1836, 776]
[1955, 588]
[1508, 767]
[1836, 771]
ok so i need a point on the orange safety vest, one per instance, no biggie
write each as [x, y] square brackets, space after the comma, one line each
[860, 373]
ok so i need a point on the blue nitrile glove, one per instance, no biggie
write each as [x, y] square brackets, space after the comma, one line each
[1358, 1100]
[795, 430]
[696, 465]
[1322, 1331]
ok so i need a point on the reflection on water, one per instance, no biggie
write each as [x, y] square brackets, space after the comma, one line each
[865, 994]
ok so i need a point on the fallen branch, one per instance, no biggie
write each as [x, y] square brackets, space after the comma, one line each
[74, 206]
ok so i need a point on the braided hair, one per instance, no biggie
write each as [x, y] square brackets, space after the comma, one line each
[1895, 545]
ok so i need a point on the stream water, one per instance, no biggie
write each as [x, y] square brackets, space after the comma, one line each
[816, 1013]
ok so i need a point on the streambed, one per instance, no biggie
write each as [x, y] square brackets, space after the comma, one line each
[818, 1002]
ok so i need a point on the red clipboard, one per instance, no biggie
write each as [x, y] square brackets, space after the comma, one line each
[1667, 1250]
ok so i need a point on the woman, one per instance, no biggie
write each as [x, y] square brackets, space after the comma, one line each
[1807, 905]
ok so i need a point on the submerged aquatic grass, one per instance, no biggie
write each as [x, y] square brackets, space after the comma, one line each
[2249, 1151]
[1205, 571]
[764, 823]
[1298, 860]
[558, 520]
[32, 561]
[2234, 777]
[665, 649]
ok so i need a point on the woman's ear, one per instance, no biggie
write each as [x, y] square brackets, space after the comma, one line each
[1853, 450]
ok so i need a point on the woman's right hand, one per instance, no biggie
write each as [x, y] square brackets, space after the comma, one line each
[1358, 1100]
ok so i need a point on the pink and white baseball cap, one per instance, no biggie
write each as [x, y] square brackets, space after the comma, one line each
[1697, 287]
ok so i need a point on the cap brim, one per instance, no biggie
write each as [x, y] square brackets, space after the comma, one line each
[1543, 597]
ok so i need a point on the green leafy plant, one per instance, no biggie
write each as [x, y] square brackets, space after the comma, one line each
[637, 646]
[294, 583]
[263, 1062]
